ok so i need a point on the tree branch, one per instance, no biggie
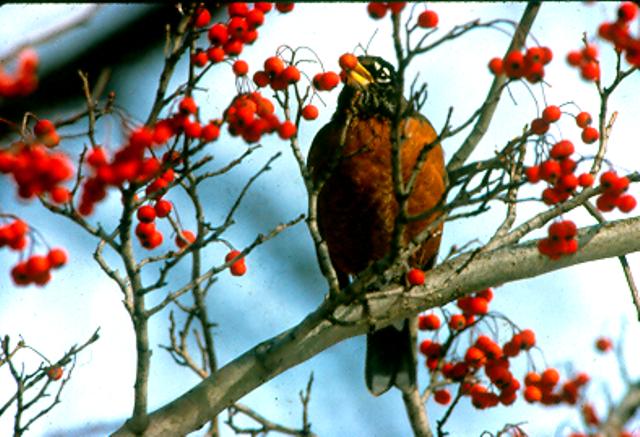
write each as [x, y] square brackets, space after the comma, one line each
[464, 274]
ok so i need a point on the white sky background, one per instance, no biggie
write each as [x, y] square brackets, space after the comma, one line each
[566, 309]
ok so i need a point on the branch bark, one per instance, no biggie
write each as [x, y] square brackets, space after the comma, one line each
[464, 274]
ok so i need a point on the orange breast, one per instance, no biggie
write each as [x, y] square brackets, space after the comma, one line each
[357, 207]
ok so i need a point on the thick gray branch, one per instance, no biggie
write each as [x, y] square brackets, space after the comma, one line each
[462, 275]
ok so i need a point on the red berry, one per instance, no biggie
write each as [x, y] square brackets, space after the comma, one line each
[539, 126]
[486, 294]
[218, 34]
[513, 64]
[162, 208]
[348, 61]
[442, 396]
[185, 238]
[550, 170]
[273, 66]
[146, 214]
[532, 394]
[478, 305]
[428, 19]
[255, 18]
[261, 78]
[154, 240]
[215, 54]
[549, 377]
[326, 81]
[233, 47]
[145, 230]
[574, 58]
[590, 71]
[290, 74]
[309, 112]
[54, 373]
[528, 339]
[604, 344]
[238, 9]
[286, 130]
[586, 180]
[263, 6]
[240, 68]
[376, 10]
[626, 203]
[237, 27]
[238, 268]
[415, 277]
[37, 265]
[533, 174]
[495, 66]
[583, 119]
[457, 322]
[43, 127]
[627, 11]
[429, 322]
[202, 17]
[57, 258]
[590, 135]
[284, 7]
[606, 202]
[188, 105]
[562, 149]
[534, 73]
[210, 132]
[551, 114]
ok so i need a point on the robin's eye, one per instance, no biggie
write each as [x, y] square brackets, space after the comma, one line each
[383, 75]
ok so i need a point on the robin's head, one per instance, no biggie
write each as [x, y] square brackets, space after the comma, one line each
[371, 88]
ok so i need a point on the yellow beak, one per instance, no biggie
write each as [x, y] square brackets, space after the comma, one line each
[359, 76]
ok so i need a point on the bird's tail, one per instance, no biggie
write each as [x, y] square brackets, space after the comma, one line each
[391, 358]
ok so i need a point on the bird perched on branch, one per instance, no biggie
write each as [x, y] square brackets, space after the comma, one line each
[351, 158]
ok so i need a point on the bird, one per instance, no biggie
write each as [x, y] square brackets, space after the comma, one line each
[350, 160]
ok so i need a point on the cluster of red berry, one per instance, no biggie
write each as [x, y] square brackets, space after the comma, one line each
[486, 354]
[561, 240]
[276, 74]
[614, 193]
[237, 267]
[251, 116]
[24, 81]
[617, 32]
[377, 10]
[37, 171]
[37, 268]
[552, 113]
[587, 61]
[228, 39]
[539, 387]
[528, 65]
[146, 231]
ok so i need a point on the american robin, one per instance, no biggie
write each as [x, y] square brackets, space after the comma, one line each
[357, 207]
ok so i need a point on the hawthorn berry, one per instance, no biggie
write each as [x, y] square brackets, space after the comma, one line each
[326, 81]
[309, 112]
[590, 71]
[240, 68]
[428, 19]
[238, 9]
[428, 322]
[606, 202]
[57, 258]
[574, 58]
[550, 170]
[43, 127]
[284, 7]
[586, 180]
[348, 61]
[627, 11]
[261, 78]
[210, 132]
[237, 27]
[513, 64]
[495, 66]
[185, 238]
[415, 276]
[532, 394]
[527, 338]
[162, 208]
[202, 17]
[286, 130]
[533, 174]
[549, 377]
[562, 149]
[273, 66]
[539, 126]
[551, 114]
[188, 105]
[215, 54]
[377, 10]
[263, 6]
[626, 203]
[54, 373]
[583, 119]
[290, 74]
[233, 47]
[37, 265]
[442, 396]
[146, 214]
[590, 135]
[457, 322]
[604, 344]
[255, 18]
